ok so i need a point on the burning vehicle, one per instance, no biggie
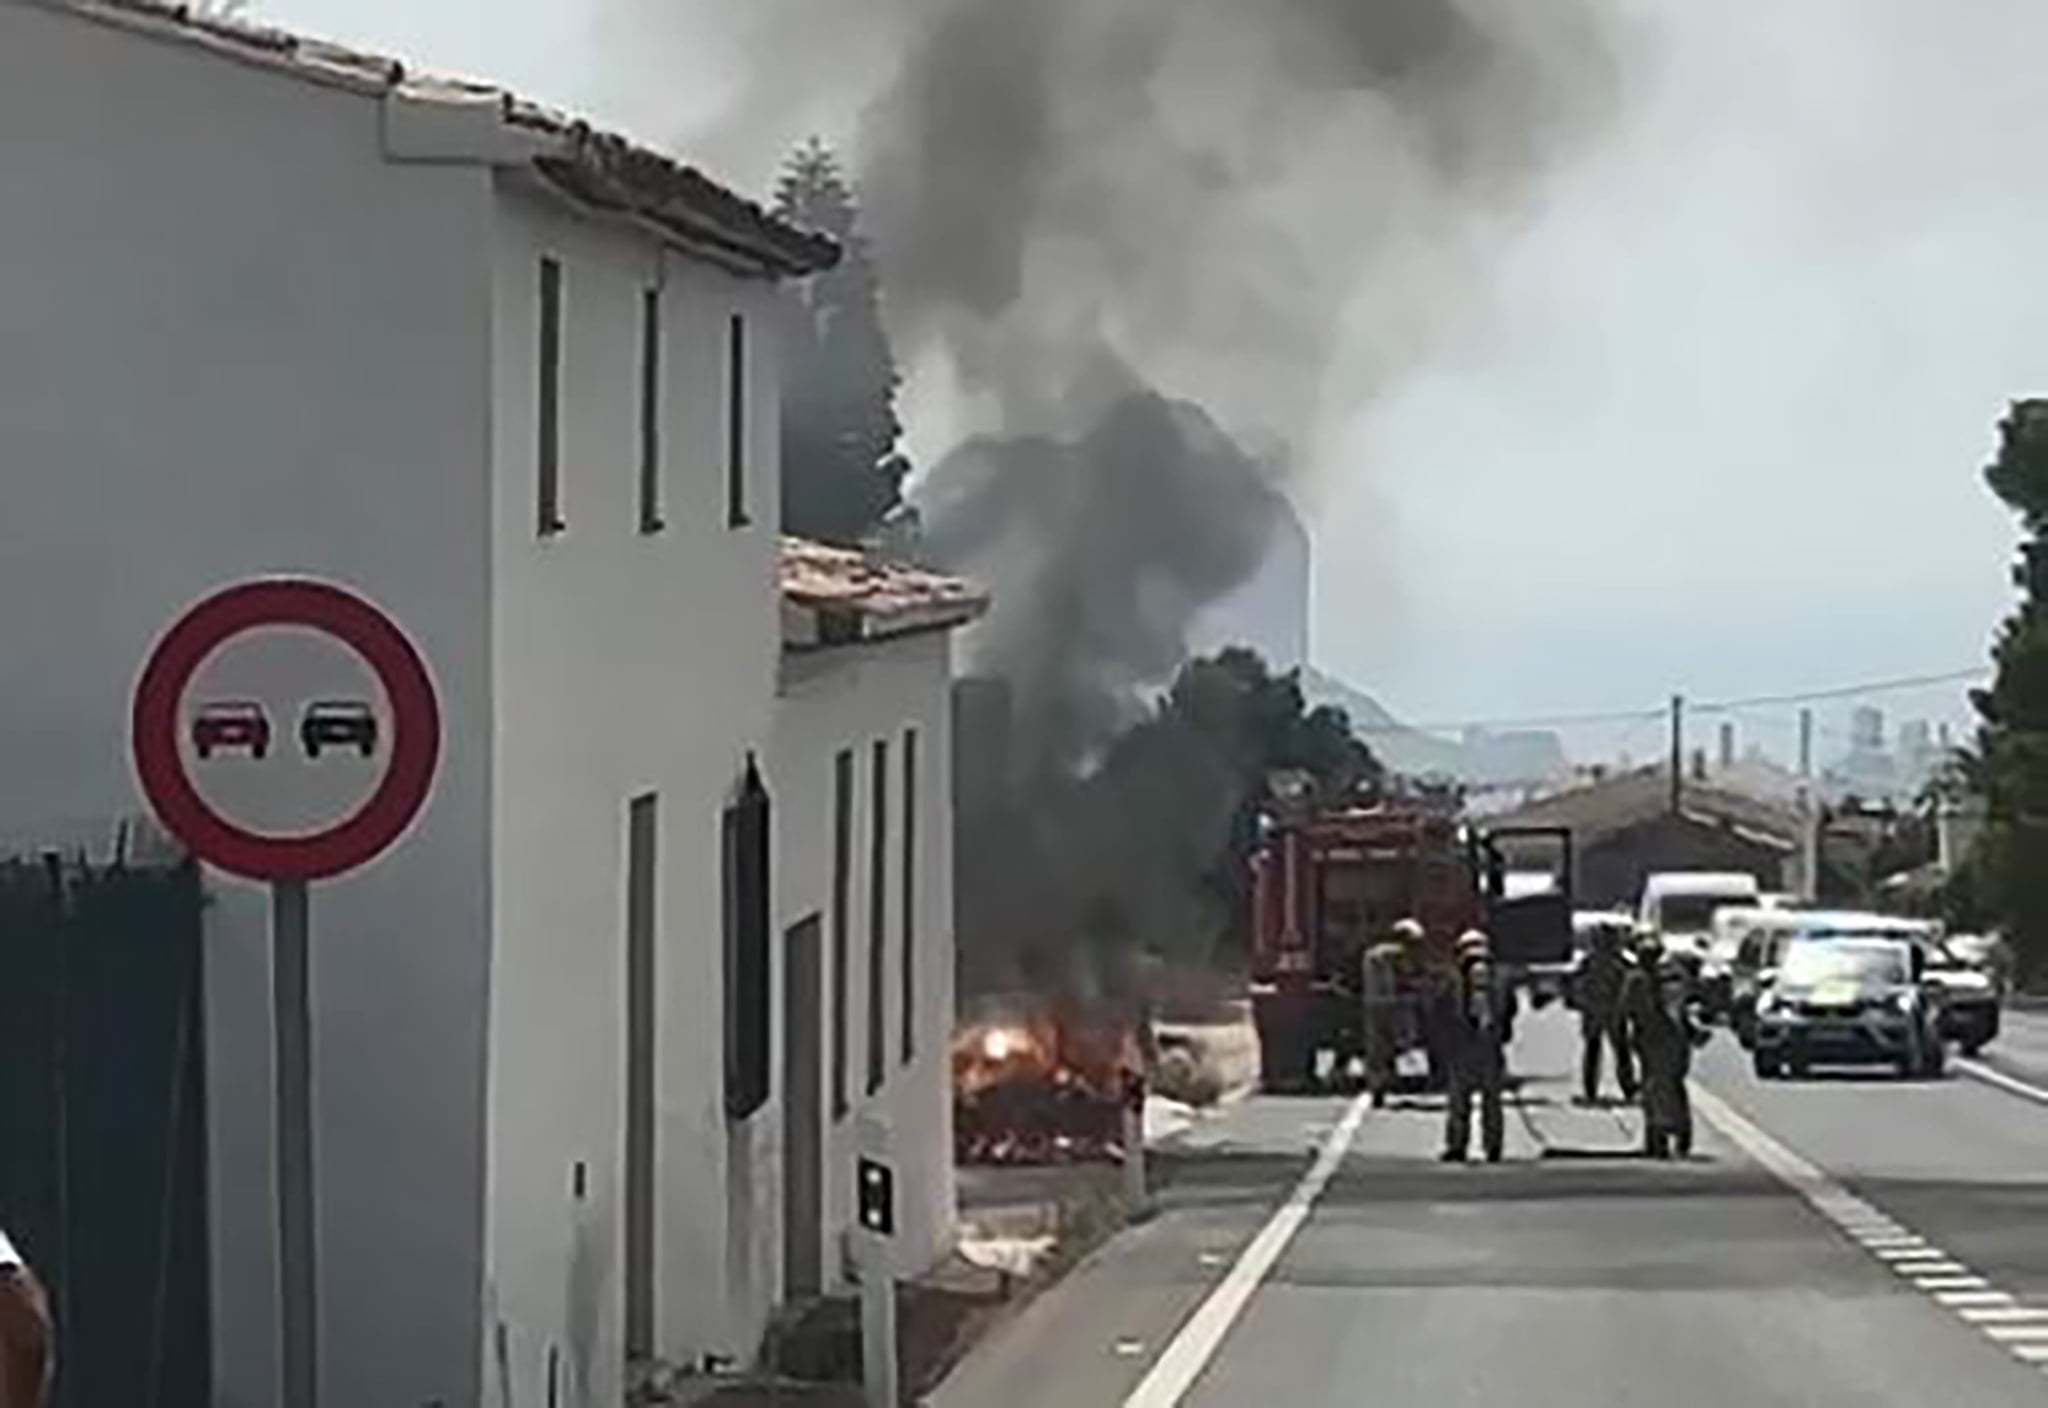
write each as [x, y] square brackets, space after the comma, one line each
[1040, 1081]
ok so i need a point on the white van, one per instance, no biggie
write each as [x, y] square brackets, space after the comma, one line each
[1680, 905]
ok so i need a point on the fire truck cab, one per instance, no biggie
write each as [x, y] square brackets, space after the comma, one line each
[1327, 885]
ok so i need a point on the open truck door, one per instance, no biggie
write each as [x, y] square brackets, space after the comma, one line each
[1525, 883]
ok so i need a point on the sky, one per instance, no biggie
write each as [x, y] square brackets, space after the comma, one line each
[1715, 424]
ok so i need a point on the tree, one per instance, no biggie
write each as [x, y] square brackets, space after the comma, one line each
[842, 475]
[1148, 852]
[2009, 767]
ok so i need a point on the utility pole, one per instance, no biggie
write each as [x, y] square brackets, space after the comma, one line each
[1810, 822]
[1677, 751]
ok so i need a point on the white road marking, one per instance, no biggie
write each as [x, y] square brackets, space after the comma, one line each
[1196, 1343]
[1991, 1075]
[2003, 1314]
[2021, 1330]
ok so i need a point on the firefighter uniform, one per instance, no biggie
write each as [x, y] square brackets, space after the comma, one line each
[1476, 1031]
[1659, 1002]
[1601, 1022]
[1380, 981]
[1380, 987]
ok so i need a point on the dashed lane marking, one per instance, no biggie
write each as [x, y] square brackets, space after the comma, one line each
[2020, 1330]
[1196, 1343]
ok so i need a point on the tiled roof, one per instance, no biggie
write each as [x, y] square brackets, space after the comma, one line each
[840, 596]
[598, 168]
[1618, 803]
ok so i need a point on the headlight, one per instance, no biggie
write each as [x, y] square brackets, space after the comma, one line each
[1902, 1002]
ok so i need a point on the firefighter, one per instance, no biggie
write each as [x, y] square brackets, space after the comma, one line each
[1598, 990]
[26, 1359]
[1659, 1003]
[1477, 1036]
[1380, 987]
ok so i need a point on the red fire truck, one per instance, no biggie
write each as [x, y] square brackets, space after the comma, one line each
[1328, 883]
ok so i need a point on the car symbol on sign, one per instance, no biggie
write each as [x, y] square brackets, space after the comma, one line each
[338, 723]
[231, 724]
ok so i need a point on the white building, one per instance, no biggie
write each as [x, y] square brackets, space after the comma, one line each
[278, 307]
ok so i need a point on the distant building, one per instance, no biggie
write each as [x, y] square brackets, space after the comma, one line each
[1624, 829]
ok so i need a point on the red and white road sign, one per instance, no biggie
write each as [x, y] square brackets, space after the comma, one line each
[286, 729]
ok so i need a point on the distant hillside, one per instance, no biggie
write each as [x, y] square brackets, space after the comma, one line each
[1480, 759]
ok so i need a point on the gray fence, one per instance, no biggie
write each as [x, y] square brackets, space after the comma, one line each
[102, 1121]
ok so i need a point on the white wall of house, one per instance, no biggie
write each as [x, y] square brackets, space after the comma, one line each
[234, 340]
[852, 698]
[626, 663]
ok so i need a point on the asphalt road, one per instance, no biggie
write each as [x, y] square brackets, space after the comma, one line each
[1835, 1241]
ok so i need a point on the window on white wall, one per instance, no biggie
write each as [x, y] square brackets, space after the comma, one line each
[842, 895]
[878, 912]
[642, 854]
[736, 423]
[650, 411]
[907, 904]
[548, 401]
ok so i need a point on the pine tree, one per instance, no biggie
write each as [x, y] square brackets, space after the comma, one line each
[2010, 768]
[842, 473]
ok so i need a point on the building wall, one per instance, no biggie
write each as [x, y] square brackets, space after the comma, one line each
[1612, 869]
[849, 699]
[626, 663]
[233, 341]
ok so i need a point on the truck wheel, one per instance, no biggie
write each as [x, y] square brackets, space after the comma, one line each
[1766, 1067]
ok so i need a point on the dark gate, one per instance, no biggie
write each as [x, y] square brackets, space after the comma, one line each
[102, 1122]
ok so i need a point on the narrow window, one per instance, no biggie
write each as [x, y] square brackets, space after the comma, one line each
[878, 909]
[907, 905]
[842, 885]
[746, 904]
[550, 399]
[736, 423]
[641, 855]
[650, 411]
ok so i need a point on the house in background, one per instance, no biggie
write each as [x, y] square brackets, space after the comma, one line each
[280, 307]
[861, 768]
[1627, 827]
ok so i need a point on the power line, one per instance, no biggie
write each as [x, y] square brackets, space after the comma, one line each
[1660, 712]
[1850, 691]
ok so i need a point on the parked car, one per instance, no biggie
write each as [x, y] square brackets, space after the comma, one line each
[231, 724]
[1681, 904]
[1989, 954]
[1768, 934]
[338, 723]
[1859, 1001]
[1719, 960]
[1971, 1008]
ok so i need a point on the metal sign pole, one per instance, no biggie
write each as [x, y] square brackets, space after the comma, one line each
[297, 1240]
[878, 1322]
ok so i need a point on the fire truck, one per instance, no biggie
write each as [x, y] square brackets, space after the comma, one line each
[1327, 883]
